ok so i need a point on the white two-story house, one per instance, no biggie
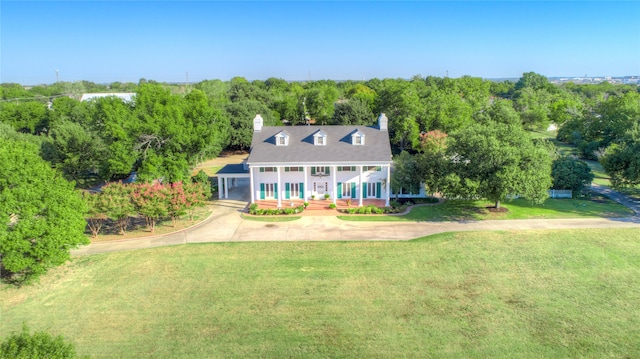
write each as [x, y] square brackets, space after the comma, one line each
[306, 162]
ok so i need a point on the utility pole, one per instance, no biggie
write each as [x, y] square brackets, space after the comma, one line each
[187, 78]
[57, 76]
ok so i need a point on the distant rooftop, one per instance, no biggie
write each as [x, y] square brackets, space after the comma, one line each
[126, 96]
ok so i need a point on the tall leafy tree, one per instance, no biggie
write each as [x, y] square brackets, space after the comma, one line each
[499, 111]
[363, 93]
[29, 117]
[207, 127]
[41, 216]
[161, 139]
[113, 120]
[399, 100]
[404, 176]
[621, 160]
[69, 109]
[533, 98]
[433, 163]
[571, 173]
[320, 102]
[352, 112]
[496, 161]
[76, 152]
[241, 115]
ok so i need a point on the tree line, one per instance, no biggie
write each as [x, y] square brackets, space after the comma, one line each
[168, 129]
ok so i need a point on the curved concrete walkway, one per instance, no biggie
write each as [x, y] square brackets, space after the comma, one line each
[226, 225]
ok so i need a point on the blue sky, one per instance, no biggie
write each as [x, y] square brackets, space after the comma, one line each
[106, 41]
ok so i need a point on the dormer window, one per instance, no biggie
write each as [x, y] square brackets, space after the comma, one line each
[320, 138]
[357, 138]
[282, 138]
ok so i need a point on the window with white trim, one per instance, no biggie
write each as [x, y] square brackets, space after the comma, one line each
[320, 138]
[294, 190]
[321, 170]
[346, 190]
[371, 189]
[269, 190]
[282, 139]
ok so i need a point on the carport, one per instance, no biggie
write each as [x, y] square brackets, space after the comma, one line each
[229, 177]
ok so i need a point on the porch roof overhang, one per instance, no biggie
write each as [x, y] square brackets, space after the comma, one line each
[233, 171]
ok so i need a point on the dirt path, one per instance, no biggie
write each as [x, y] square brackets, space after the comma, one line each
[231, 157]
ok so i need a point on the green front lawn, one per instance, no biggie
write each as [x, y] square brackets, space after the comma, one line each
[515, 294]
[457, 210]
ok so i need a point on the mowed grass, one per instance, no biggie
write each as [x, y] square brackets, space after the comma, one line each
[459, 210]
[211, 171]
[517, 294]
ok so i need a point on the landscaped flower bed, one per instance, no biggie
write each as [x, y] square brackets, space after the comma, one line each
[253, 209]
[371, 209]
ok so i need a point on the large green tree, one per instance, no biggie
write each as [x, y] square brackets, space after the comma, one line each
[405, 168]
[320, 100]
[162, 138]
[113, 120]
[41, 216]
[241, 115]
[621, 160]
[496, 161]
[353, 112]
[76, 152]
[29, 117]
[207, 127]
[571, 173]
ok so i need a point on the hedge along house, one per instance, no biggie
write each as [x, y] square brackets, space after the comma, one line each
[306, 162]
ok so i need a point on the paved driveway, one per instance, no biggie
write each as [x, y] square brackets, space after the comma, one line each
[226, 225]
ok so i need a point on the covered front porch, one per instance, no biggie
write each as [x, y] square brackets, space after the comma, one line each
[233, 176]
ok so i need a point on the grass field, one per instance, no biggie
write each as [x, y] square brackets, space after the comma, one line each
[530, 294]
[517, 209]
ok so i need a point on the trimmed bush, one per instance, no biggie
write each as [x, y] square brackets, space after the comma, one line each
[36, 345]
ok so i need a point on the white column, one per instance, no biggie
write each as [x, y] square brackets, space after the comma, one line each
[253, 192]
[388, 185]
[220, 188]
[226, 187]
[360, 190]
[335, 183]
[306, 188]
[279, 188]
